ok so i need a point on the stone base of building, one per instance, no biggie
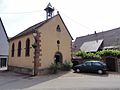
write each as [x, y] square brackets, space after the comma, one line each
[20, 70]
[43, 71]
[28, 71]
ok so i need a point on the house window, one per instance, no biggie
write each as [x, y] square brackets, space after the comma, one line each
[3, 62]
[58, 28]
[27, 53]
[19, 48]
[13, 50]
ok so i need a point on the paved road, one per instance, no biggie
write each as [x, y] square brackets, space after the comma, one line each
[61, 81]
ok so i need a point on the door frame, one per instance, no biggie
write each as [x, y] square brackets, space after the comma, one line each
[58, 57]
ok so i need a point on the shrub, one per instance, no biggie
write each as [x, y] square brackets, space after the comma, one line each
[53, 68]
[66, 66]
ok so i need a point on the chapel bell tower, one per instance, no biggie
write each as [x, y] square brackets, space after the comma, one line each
[49, 11]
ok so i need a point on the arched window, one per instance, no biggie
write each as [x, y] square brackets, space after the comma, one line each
[58, 42]
[13, 50]
[58, 28]
[19, 48]
[27, 53]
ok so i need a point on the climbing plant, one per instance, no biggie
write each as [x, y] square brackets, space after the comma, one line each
[85, 55]
[113, 53]
[99, 54]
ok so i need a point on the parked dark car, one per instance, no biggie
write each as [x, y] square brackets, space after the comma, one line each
[91, 66]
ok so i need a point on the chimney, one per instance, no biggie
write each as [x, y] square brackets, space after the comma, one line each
[96, 37]
[95, 32]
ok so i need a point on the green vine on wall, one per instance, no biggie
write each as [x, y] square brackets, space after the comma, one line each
[99, 54]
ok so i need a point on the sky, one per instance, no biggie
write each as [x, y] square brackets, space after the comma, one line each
[82, 17]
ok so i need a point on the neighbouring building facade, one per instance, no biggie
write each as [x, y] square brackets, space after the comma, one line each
[4, 46]
[98, 41]
[40, 45]
[103, 40]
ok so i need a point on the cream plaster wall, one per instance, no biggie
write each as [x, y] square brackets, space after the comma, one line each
[49, 37]
[23, 61]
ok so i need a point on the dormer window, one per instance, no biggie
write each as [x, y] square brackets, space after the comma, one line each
[58, 28]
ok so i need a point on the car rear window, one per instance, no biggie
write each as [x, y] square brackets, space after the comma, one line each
[88, 63]
[97, 63]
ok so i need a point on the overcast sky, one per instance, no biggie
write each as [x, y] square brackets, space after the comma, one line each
[82, 17]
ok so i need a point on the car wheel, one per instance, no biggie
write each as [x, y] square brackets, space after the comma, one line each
[100, 71]
[78, 70]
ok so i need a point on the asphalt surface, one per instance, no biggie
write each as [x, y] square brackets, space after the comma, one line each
[60, 81]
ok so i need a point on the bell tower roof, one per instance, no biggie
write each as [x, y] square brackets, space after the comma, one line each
[49, 11]
[49, 6]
